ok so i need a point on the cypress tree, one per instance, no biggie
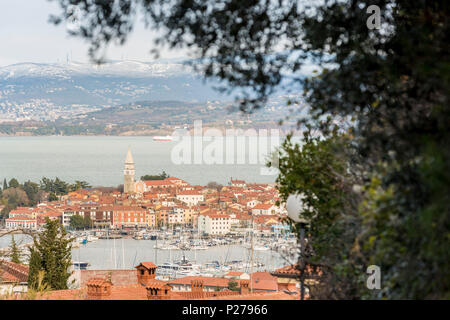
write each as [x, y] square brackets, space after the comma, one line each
[5, 185]
[35, 265]
[51, 254]
[15, 254]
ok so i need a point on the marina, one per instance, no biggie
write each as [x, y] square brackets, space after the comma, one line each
[177, 255]
[125, 253]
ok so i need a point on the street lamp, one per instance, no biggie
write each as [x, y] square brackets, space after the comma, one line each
[294, 207]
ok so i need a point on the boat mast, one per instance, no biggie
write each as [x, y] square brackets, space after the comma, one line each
[156, 249]
[115, 259]
[251, 258]
[123, 256]
[79, 261]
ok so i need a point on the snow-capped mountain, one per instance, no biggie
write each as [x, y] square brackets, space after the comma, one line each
[113, 68]
[32, 90]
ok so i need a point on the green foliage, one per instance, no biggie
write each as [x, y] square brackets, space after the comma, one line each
[52, 254]
[80, 185]
[55, 186]
[52, 197]
[38, 289]
[32, 190]
[393, 233]
[163, 175]
[31, 193]
[35, 266]
[15, 253]
[233, 285]
[319, 171]
[15, 197]
[77, 222]
[88, 222]
[13, 183]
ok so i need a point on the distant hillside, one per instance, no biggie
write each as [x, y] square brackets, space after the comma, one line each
[157, 112]
[149, 118]
[37, 91]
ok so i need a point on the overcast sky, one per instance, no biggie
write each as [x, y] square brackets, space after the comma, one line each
[27, 36]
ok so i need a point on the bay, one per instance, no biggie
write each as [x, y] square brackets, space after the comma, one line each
[99, 160]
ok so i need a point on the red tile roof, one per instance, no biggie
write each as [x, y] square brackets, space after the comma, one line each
[234, 274]
[147, 264]
[263, 206]
[158, 182]
[13, 272]
[207, 281]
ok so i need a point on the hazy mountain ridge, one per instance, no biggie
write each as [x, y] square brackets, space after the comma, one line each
[39, 91]
[127, 68]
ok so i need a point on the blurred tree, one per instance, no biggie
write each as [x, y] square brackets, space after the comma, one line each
[215, 186]
[321, 169]
[80, 185]
[32, 190]
[52, 197]
[88, 223]
[13, 183]
[15, 197]
[233, 285]
[77, 222]
[163, 175]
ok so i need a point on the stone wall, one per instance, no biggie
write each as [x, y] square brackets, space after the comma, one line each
[118, 277]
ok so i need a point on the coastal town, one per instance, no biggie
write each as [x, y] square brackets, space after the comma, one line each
[176, 216]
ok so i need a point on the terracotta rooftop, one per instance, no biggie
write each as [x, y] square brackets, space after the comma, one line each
[13, 272]
[131, 292]
[264, 283]
[158, 182]
[263, 206]
[147, 264]
[207, 281]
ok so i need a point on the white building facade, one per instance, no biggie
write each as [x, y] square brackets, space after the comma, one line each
[21, 223]
[191, 198]
[214, 224]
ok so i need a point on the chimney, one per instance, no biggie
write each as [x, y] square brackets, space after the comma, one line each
[244, 284]
[158, 291]
[146, 272]
[197, 286]
[98, 289]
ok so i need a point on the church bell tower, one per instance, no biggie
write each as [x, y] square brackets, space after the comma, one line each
[128, 174]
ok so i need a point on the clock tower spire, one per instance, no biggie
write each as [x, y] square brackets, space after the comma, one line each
[128, 174]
